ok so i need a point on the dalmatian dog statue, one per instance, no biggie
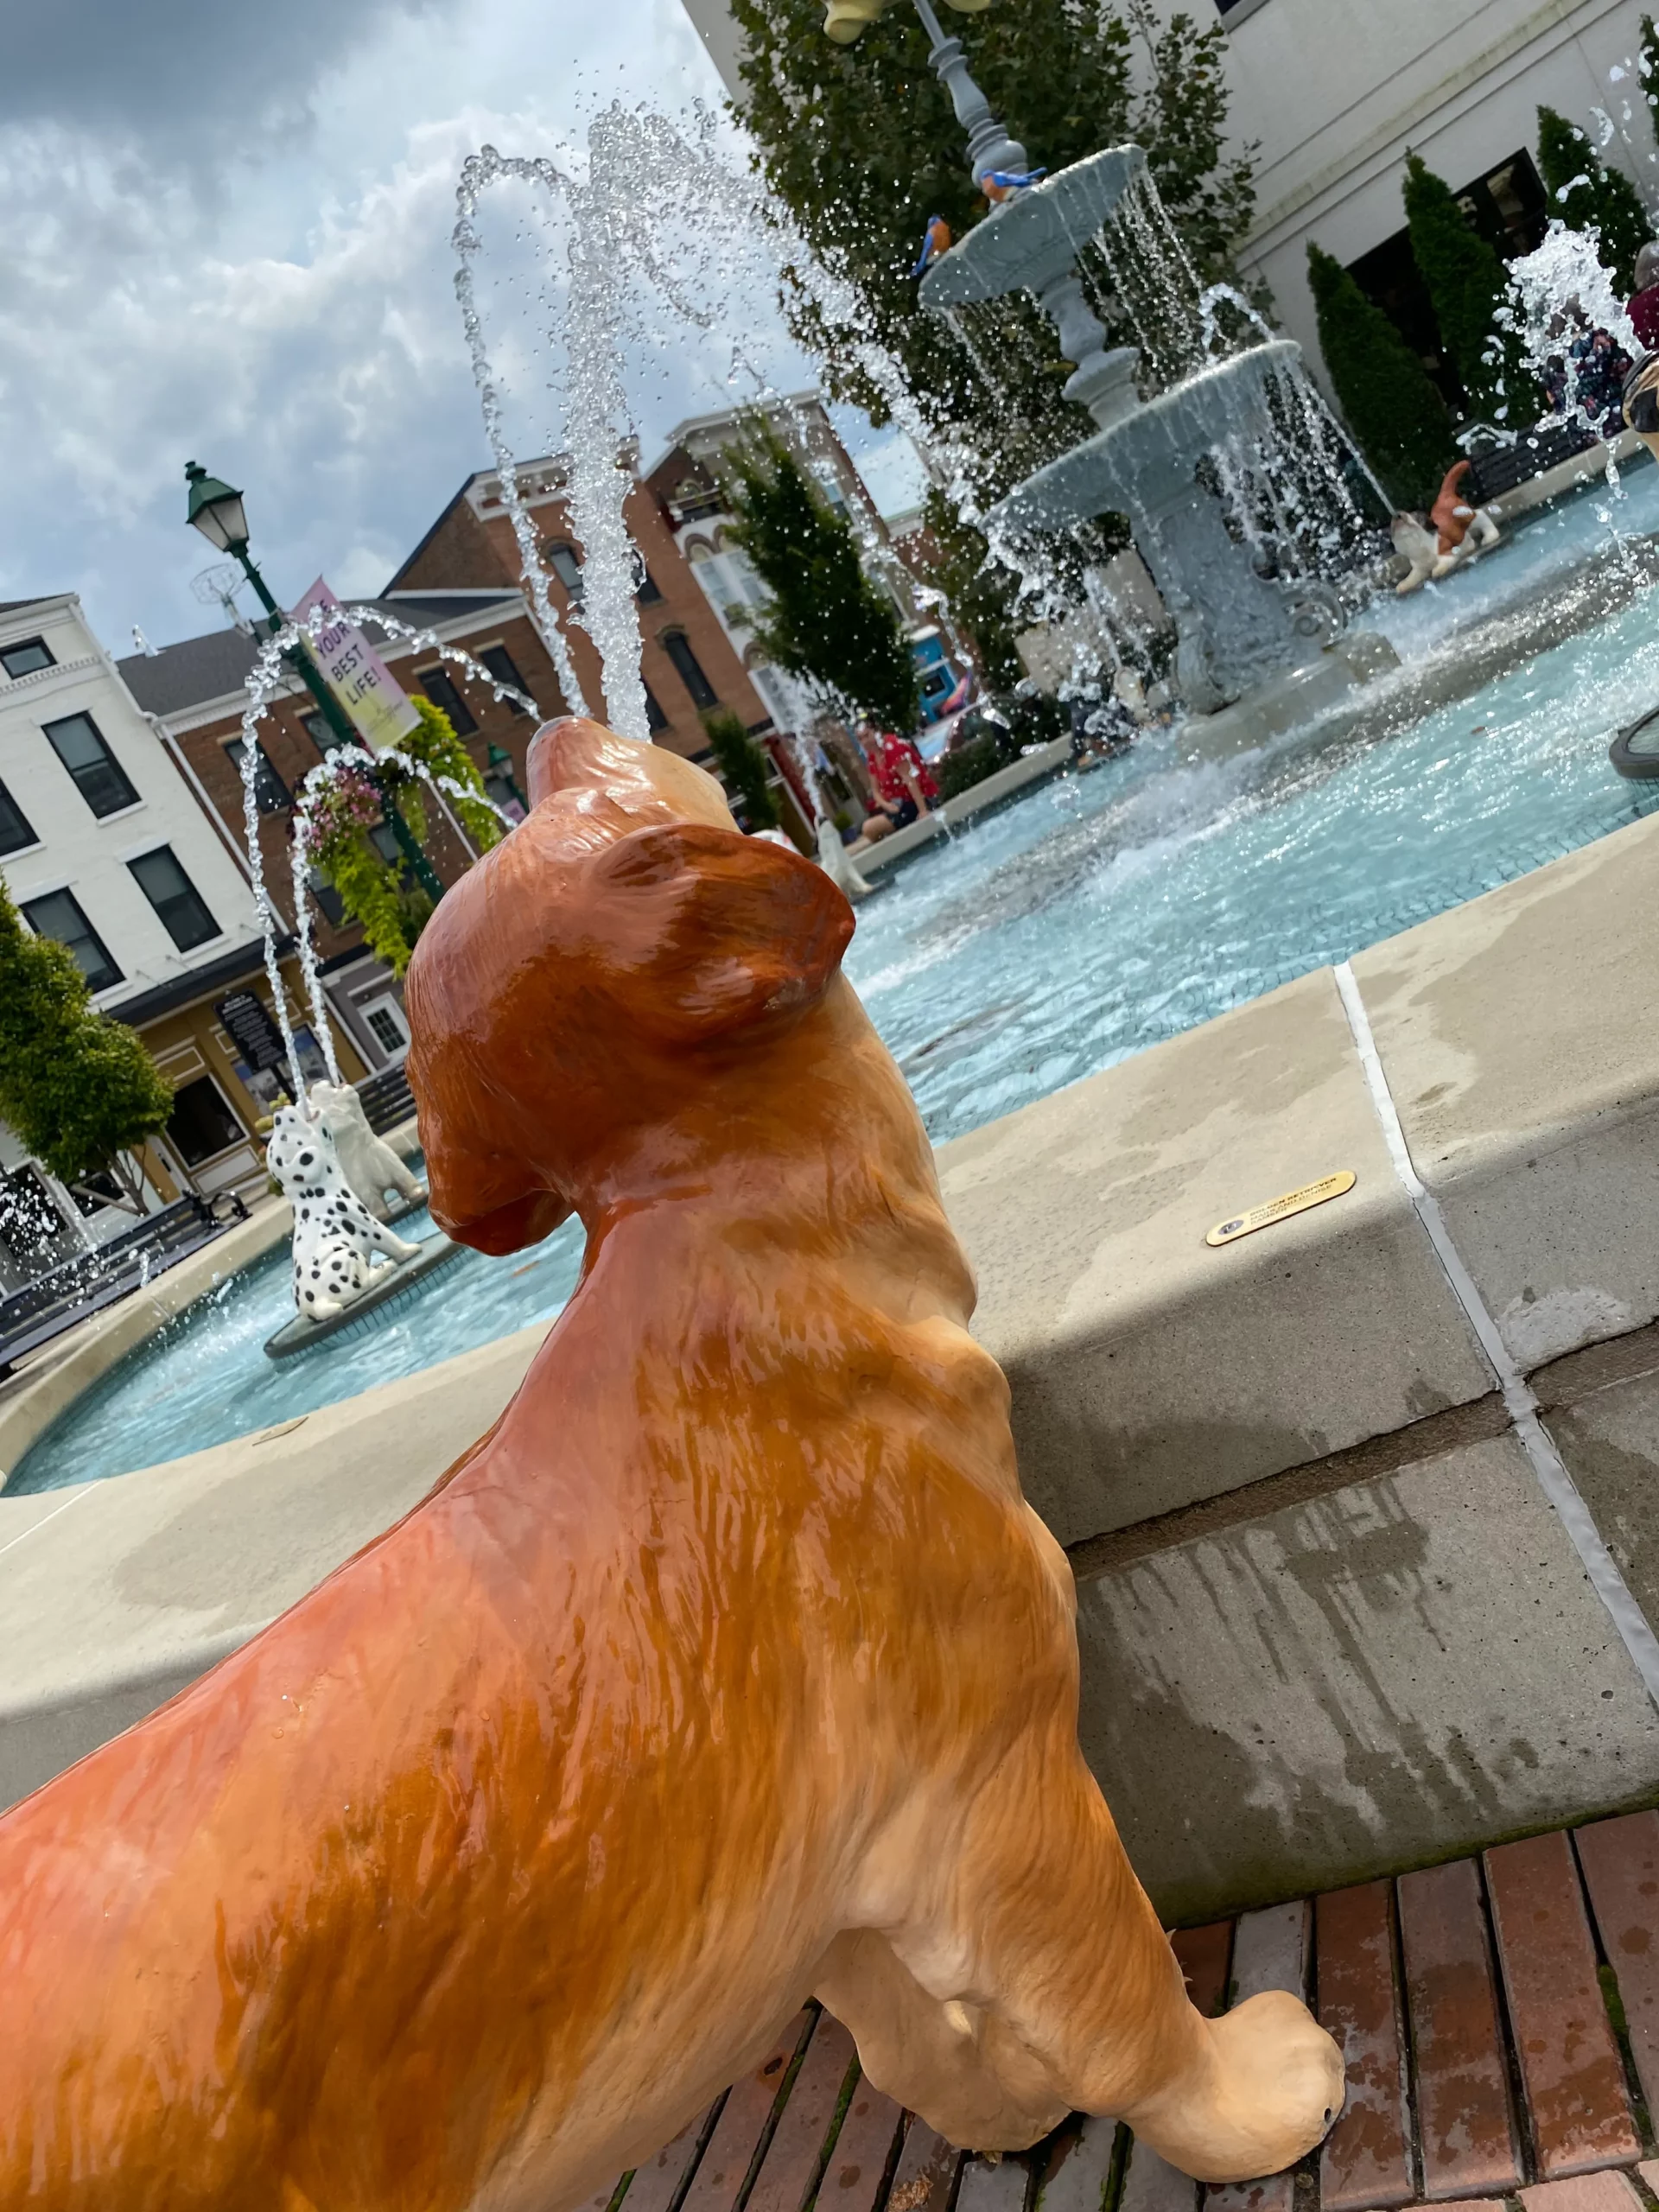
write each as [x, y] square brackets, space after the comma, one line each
[368, 1163]
[335, 1236]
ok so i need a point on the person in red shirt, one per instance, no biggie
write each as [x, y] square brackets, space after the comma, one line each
[904, 786]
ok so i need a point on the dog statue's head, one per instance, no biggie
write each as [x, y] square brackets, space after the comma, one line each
[586, 979]
[340, 1107]
[299, 1151]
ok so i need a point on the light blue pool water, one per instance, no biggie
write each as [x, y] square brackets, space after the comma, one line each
[1108, 913]
[1088, 920]
[204, 1378]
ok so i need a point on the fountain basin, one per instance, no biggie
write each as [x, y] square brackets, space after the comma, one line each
[1145, 461]
[1280, 1469]
[1048, 938]
[1032, 238]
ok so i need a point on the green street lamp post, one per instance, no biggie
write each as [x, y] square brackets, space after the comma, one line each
[500, 762]
[218, 512]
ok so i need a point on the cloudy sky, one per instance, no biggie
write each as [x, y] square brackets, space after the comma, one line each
[227, 238]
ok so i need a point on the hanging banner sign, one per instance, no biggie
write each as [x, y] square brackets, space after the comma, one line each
[248, 1022]
[380, 709]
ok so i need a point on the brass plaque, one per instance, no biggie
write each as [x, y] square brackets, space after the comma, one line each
[1311, 1194]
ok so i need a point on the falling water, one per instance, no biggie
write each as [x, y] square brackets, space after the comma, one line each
[270, 673]
[479, 170]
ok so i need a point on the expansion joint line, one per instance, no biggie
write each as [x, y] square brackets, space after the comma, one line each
[1519, 1402]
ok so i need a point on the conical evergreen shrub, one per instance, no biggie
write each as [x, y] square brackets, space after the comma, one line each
[1387, 397]
[1647, 68]
[1587, 194]
[1465, 282]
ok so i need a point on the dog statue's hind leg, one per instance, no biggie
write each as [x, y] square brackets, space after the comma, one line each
[1042, 1982]
[387, 1240]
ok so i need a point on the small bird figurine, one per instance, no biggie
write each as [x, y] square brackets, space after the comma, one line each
[936, 240]
[998, 185]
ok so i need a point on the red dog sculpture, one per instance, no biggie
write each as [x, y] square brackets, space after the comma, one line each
[730, 1666]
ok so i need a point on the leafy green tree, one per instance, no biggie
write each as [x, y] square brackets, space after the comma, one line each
[1466, 282]
[1587, 194]
[980, 592]
[824, 620]
[1388, 398]
[744, 769]
[862, 145]
[77, 1086]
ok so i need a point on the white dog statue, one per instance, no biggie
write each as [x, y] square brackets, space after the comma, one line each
[1418, 546]
[1429, 552]
[335, 1236]
[368, 1163]
[832, 859]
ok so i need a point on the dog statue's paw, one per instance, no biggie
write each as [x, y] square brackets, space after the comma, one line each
[1275, 2086]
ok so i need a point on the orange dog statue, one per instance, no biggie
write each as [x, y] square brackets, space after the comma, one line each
[729, 1667]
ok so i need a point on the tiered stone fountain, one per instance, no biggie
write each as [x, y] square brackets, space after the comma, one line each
[1244, 635]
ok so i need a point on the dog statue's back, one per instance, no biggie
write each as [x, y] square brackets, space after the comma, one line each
[728, 1667]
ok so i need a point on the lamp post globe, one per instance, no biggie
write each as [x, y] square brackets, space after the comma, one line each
[215, 510]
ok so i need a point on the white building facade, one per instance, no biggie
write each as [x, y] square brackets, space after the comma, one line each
[1336, 93]
[103, 847]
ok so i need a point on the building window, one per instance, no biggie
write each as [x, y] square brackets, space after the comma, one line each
[386, 1023]
[271, 793]
[95, 1188]
[181, 906]
[655, 718]
[646, 589]
[201, 1124]
[678, 646]
[1509, 207]
[59, 915]
[24, 659]
[15, 831]
[330, 905]
[566, 564]
[501, 663]
[442, 693]
[99, 777]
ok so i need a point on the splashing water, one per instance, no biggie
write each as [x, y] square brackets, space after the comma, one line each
[1556, 294]
[269, 674]
[652, 239]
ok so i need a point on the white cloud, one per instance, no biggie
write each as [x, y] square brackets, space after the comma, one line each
[277, 302]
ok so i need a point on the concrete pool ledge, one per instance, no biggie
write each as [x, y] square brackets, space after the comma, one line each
[1330, 1624]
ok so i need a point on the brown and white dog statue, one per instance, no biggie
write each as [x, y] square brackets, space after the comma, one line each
[730, 1666]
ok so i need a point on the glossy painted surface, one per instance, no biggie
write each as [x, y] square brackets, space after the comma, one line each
[726, 1668]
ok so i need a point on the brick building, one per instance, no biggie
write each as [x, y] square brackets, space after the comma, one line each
[196, 692]
[687, 660]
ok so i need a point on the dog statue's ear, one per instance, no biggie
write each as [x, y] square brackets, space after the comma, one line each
[704, 930]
